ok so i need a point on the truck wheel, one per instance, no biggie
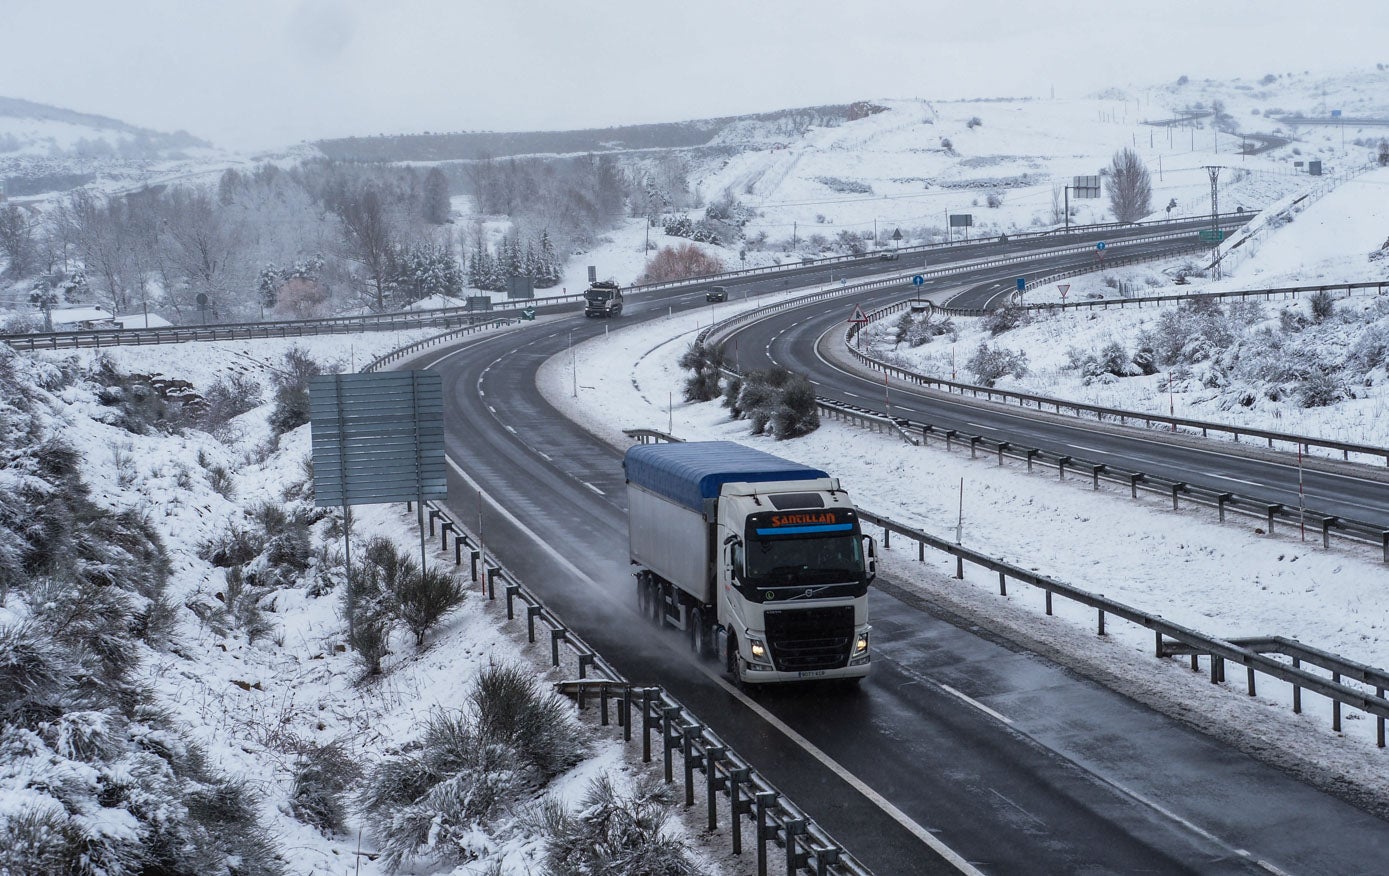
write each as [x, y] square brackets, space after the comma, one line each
[730, 662]
[643, 597]
[699, 634]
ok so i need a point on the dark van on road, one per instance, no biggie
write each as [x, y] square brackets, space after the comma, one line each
[716, 293]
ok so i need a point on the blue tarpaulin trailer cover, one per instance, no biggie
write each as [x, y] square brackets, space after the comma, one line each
[690, 472]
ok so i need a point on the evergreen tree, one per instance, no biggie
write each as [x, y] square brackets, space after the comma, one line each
[436, 197]
[549, 270]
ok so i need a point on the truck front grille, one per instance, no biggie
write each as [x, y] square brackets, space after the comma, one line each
[809, 639]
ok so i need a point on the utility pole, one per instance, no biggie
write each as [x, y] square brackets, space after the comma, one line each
[1214, 172]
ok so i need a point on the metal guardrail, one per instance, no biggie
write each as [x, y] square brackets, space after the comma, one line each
[807, 847]
[1120, 415]
[410, 349]
[1171, 639]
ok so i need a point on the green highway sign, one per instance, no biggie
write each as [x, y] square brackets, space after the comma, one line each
[1212, 235]
[528, 313]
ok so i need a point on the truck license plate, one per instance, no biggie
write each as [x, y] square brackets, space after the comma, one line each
[812, 673]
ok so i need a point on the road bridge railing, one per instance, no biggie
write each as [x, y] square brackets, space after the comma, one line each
[667, 727]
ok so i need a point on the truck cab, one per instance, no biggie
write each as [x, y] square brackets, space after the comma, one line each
[603, 298]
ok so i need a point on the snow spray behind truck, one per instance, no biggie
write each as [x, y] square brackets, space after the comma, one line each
[759, 559]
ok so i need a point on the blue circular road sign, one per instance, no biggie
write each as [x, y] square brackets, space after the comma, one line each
[1100, 245]
[918, 280]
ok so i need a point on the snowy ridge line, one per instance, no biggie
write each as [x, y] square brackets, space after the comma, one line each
[1122, 416]
[808, 846]
[1172, 639]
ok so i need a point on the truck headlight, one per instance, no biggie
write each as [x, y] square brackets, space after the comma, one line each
[758, 649]
[861, 644]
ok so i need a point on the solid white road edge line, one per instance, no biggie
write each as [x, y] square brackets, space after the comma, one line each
[978, 705]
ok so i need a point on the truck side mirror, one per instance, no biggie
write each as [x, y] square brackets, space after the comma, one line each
[871, 552]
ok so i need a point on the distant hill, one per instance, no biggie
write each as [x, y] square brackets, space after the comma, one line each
[668, 135]
[47, 148]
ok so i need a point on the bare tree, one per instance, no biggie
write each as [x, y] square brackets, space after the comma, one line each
[205, 246]
[369, 240]
[1130, 187]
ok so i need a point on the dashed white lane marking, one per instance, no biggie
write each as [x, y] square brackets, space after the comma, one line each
[1084, 449]
[593, 488]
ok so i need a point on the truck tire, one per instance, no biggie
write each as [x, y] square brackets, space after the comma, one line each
[730, 661]
[699, 634]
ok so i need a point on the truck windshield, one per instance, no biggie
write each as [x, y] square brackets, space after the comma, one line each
[598, 296]
[790, 562]
[800, 548]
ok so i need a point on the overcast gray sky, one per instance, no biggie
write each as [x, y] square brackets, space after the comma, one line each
[263, 73]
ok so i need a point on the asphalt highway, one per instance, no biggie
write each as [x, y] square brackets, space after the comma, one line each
[957, 740]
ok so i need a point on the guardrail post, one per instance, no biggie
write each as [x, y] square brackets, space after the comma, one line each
[624, 713]
[949, 434]
[1379, 721]
[1326, 525]
[602, 698]
[1002, 584]
[1048, 602]
[1061, 466]
[1031, 453]
[713, 783]
[737, 806]
[668, 715]
[795, 859]
[688, 732]
[1220, 501]
[1297, 690]
[492, 582]
[512, 591]
[765, 831]
[458, 551]
[926, 431]
[586, 660]
[433, 515]
[532, 612]
[825, 859]
[1272, 510]
[887, 538]
[646, 725]
[974, 446]
[1098, 470]
[1250, 676]
[1158, 651]
[1177, 488]
[1134, 480]
[1101, 630]
[1384, 541]
[1002, 446]
[1336, 705]
[557, 635]
[476, 555]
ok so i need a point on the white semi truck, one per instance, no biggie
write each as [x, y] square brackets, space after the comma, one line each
[759, 559]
